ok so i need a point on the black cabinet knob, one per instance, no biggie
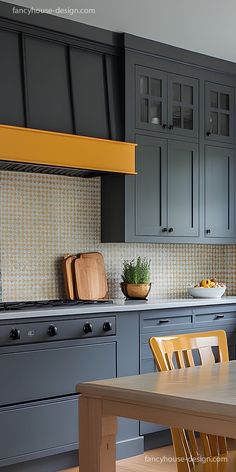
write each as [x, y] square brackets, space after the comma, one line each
[164, 126]
[208, 231]
[88, 328]
[170, 230]
[171, 127]
[15, 333]
[107, 326]
[52, 330]
[164, 230]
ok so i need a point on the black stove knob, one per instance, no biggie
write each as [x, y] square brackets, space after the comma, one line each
[107, 326]
[88, 328]
[52, 330]
[15, 333]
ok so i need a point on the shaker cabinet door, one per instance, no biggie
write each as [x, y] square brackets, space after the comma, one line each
[183, 189]
[150, 186]
[219, 192]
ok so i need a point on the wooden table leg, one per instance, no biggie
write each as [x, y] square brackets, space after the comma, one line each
[97, 437]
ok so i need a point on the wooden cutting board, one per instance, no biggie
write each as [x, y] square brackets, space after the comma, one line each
[100, 267]
[68, 274]
[90, 276]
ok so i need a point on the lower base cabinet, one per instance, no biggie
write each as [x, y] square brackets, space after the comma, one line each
[42, 434]
[202, 319]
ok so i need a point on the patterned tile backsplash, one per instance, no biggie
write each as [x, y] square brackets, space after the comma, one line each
[44, 217]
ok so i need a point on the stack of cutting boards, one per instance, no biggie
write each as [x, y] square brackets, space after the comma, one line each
[85, 276]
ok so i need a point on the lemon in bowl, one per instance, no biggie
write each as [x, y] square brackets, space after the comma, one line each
[207, 288]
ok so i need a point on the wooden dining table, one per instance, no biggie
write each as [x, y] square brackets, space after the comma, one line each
[200, 398]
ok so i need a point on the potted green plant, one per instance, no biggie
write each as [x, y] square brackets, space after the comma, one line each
[136, 278]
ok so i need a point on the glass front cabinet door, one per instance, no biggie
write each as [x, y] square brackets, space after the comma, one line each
[183, 105]
[219, 112]
[166, 102]
[151, 99]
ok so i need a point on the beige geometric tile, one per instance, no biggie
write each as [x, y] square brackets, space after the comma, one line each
[44, 217]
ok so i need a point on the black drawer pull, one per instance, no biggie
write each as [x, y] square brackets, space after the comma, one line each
[163, 321]
[217, 317]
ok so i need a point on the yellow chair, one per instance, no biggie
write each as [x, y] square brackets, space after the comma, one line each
[177, 351]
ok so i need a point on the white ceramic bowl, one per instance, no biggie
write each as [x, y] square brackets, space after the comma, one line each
[201, 292]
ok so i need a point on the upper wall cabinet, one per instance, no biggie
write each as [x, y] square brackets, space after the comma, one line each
[165, 190]
[175, 109]
[166, 102]
[219, 112]
[160, 203]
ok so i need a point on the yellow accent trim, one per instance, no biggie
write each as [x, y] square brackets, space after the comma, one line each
[65, 150]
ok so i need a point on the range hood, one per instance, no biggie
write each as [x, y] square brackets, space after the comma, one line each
[33, 150]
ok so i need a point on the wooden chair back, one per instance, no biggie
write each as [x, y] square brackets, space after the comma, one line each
[183, 351]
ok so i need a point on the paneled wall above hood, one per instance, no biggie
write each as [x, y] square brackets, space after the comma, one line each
[32, 150]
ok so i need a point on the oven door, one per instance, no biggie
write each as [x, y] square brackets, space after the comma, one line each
[45, 379]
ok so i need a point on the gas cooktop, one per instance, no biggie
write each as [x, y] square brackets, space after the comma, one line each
[4, 306]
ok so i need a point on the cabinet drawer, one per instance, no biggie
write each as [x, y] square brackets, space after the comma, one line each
[31, 430]
[47, 373]
[164, 320]
[216, 318]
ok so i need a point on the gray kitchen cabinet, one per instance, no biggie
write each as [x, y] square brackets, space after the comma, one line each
[183, 189]
[180, 194]
[183, 105]
[166, 188]
[219, 193]
[219, 112]
[176, 321]
[151, 99]
[166, 102]
[162, 200]
[45, 394]
[150, 185]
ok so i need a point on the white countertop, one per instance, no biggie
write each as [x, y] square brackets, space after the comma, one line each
[118, 306]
